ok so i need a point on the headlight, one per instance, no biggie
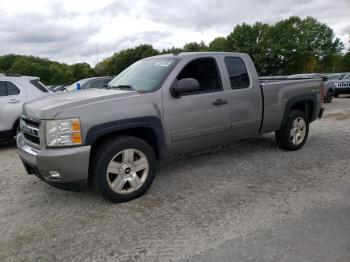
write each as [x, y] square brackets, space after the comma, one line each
[64, 132]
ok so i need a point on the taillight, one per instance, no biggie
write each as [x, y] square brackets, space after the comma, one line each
[322, 94]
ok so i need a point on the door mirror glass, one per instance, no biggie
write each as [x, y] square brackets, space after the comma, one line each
[184, 86]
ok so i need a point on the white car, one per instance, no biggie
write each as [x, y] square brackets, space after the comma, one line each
[14, 92]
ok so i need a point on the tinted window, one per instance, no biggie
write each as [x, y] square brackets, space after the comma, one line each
[3, 91]
[106, 81]
[38, 85]
[237, 72]
[12, 89]
[205, 71]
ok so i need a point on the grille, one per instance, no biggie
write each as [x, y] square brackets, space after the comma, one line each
[30, 128]
[342, 84]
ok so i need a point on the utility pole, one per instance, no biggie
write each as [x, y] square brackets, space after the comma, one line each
[96, 55]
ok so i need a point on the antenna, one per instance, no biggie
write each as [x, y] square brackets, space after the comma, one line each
[96, 55]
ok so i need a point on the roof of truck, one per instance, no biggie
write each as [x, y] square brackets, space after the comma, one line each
[184, 54]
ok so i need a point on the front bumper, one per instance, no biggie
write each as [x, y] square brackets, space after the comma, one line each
[340, 91]
[71, 163]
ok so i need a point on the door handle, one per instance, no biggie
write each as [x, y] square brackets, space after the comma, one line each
[13, 101]
[219, 102]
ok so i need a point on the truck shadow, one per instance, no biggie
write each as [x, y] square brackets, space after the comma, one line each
[5, 145]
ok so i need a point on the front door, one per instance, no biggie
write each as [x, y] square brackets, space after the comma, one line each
[197, 120]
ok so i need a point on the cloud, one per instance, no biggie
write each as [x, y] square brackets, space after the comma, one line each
[74, 31]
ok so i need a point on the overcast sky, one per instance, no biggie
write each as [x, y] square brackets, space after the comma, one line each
[70, 30]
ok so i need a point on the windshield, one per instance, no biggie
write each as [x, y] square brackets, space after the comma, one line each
[145, 75]
[73, 87]
[346, 77]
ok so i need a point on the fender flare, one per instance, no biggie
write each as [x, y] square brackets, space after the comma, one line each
[301, 98]
[151, 122]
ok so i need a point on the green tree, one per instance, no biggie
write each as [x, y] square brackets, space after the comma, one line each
[195, 47]
[218, 44]
[253, 40]
[294, 41]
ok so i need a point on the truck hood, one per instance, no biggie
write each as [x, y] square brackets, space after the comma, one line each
[48, 107]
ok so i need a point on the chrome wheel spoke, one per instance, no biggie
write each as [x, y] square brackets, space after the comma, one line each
[118, 183]
[128, 155]
[140, 164]
[114, 168]
[135, 181]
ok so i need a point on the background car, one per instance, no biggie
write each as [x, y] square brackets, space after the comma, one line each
[87, 83]
[16, 90]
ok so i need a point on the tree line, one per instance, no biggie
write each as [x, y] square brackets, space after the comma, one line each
[290, 46]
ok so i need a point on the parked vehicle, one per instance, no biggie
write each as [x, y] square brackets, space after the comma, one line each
[342, 86]
[16, 90]
[335, 76]
[87, 83]
[158, 107]
[58, 88]
[328, 87]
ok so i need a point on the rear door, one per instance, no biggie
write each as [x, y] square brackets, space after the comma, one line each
[195, 121]
[244, 95]
[12, 99]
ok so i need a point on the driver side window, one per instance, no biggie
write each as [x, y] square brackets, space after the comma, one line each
[205, 71]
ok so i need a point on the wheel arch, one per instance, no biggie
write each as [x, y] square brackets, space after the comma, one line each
[148, 129]
[305, 103]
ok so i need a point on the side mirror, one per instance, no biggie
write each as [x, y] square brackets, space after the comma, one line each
[184, 86]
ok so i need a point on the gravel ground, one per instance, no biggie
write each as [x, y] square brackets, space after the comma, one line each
[239, 202]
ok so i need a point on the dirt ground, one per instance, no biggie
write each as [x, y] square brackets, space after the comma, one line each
[248, 201]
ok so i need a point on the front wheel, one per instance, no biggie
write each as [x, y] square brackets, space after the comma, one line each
[295, 132]
[124, 168]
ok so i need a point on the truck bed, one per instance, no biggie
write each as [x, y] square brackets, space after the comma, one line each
[278, 90]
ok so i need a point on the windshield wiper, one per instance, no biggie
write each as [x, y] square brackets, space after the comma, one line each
[123, 87]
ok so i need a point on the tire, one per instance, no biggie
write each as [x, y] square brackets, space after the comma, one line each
[297, 124]
[329, 97]
[116, 169]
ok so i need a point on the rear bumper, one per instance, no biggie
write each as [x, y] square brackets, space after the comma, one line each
[72, 164]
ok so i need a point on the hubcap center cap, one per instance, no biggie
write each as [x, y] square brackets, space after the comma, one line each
[127, 169]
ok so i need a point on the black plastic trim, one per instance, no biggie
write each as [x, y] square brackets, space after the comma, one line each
[296, 99]
[139, 122]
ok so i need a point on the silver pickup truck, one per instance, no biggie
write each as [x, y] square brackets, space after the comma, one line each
[158, 107]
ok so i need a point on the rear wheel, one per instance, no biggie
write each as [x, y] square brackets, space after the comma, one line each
[124, 168]
[295, 132]
[329, 97]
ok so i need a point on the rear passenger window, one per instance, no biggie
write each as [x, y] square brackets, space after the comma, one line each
[12, 89]
[237, 72]
[3, 91]
[8, 89]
